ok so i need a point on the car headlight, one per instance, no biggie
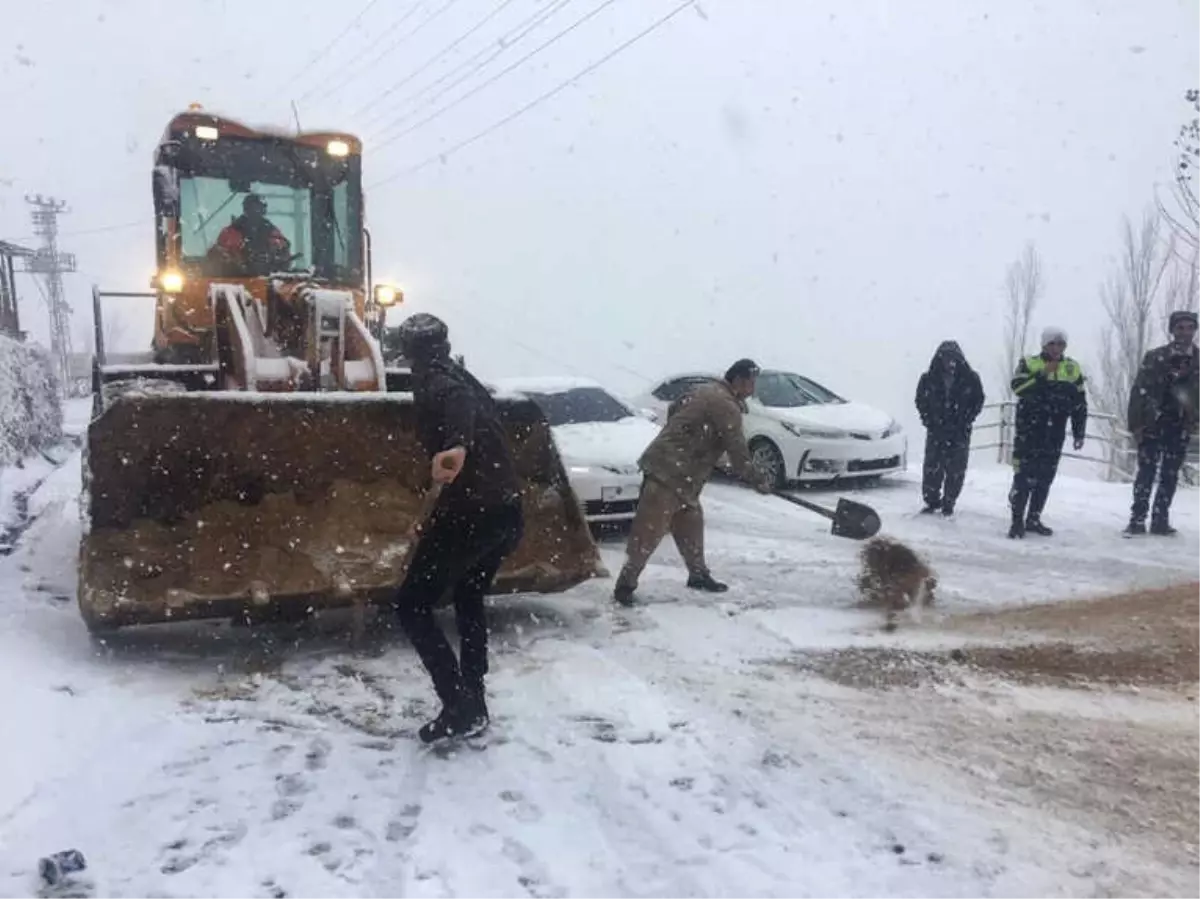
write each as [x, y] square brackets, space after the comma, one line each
[811, 433]
[892, 429]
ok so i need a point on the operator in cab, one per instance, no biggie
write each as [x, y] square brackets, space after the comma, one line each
[251, 244]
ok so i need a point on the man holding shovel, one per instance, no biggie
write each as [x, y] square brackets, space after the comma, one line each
[1163, 407]
[476, 522]
[677, 464]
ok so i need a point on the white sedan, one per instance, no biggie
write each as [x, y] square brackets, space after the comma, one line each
[599, 438]
[801, 431]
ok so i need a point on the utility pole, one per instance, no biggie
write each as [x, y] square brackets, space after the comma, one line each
[48, 262]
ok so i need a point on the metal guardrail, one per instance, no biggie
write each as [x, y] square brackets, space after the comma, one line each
[1118, 451]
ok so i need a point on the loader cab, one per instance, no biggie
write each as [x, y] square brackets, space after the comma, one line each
[265, 210]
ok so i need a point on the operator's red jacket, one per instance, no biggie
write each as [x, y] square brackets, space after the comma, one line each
[232, 239]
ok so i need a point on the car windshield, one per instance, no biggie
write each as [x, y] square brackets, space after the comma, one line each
[785, 390]
[579, 405]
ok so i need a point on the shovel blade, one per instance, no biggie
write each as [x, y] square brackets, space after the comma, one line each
[855, 521]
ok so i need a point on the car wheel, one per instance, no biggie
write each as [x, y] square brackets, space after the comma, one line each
[769, 461]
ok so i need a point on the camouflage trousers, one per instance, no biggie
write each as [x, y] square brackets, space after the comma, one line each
[661, 510]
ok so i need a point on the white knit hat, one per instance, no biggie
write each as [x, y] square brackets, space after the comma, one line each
[1049, 335]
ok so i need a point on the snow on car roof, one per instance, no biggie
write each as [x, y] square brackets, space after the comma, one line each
[546, 384]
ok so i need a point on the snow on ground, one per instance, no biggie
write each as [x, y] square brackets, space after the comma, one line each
[661, 751]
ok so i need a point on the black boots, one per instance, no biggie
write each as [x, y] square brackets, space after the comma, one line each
[1035, 526]
[1158, 527]
[1020, 528]
[707, 583]
[465, 716]
[623, 595]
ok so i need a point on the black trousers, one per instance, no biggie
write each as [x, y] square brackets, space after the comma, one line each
[1161, 452]
[945, 467]
[461, 553]
[1032, 476]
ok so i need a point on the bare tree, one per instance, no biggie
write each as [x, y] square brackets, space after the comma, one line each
[1181, 210]
[1134, 297]
[1182, 288]
[1023, 287]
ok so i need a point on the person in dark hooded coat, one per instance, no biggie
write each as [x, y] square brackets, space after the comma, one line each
[949, 399]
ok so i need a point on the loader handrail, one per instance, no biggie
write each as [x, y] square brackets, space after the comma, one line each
[363, 335]
[228, 297]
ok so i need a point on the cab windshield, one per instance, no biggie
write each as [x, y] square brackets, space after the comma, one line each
[262, 207]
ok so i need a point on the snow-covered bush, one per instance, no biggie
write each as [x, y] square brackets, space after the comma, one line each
[30, 409]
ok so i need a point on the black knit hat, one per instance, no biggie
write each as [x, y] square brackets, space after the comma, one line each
[1180, 315]
[423, 335]
[743, 368]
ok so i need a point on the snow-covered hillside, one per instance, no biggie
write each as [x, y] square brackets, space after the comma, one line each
[683, 748]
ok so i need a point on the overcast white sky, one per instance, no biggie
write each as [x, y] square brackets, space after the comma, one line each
[832, 187]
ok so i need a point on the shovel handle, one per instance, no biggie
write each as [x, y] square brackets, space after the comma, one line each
[812, 507]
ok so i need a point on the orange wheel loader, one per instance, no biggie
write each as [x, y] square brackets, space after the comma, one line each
[253, 465]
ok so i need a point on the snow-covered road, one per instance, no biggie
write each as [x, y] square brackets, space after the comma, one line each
[668, 750]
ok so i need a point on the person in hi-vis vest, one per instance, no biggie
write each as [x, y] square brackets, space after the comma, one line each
[1050, 391]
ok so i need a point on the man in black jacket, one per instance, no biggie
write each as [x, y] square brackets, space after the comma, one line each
[1050, 390]
[476, 523]
[1162, 416]
[949, 399]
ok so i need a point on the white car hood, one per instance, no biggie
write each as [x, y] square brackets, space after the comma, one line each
[849, 417]
[600, 444]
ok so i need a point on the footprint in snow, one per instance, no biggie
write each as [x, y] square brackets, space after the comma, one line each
[532, 876]
[404, 825]
[290, 787]
[522, 809]
[176, 861]
[317, 756]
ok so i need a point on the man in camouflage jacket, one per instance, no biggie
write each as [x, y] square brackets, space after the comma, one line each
[677, 464]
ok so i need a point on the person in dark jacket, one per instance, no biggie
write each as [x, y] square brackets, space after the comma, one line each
[1050, 391]
[949, 399]
[1162, 417]
[476, 523]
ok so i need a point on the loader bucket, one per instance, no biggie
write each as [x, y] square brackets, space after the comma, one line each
[253, 507]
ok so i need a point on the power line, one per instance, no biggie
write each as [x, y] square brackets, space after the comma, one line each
[357, 71]
[304, 69]
[446, 154]
[429, 62]
[413, 8]
[100, 230]
[532, 53]
[474, 63]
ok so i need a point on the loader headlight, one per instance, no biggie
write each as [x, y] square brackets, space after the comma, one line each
[388, 295]
[170, 282]
[207, 132]
[338, 148]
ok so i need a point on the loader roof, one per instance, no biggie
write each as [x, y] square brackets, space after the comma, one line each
[186, 122]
